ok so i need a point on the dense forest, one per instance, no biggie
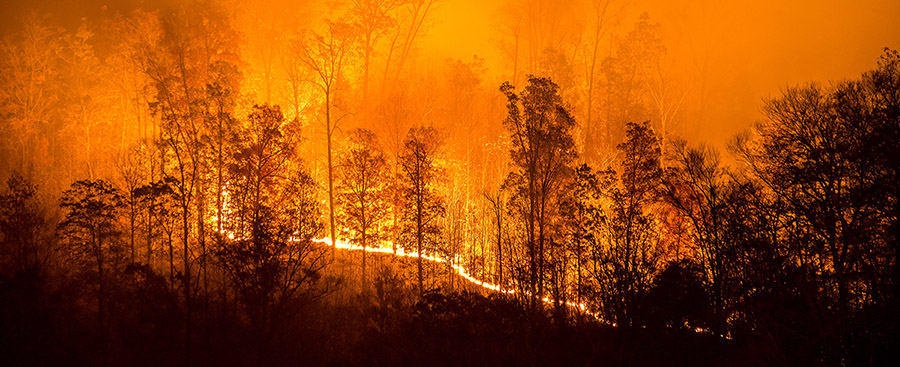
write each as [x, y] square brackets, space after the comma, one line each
[214, 183]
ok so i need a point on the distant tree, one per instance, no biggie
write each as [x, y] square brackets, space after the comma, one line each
[326, 55]
[363, 192]
[629, 72]
[83, 72]
[557, 65]
[414, 14]
[90, 228]
[601, 14]
[423, 205]
[373, 18]
[543, 153]
[29, 76]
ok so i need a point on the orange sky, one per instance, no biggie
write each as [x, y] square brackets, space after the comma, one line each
[734, 52]
[730, 54]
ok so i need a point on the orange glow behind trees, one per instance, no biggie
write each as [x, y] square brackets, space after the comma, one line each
[175, 172]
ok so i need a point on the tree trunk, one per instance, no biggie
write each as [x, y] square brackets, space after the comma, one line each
[101, 296]
[364, 285]
[330, 169]
[419, 202]
[499, 246]
[132, 220]
[187, 278]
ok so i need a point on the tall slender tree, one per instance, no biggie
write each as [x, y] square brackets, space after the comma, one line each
[326, 55]
[363, 192]
[543, 153]
[423, 207]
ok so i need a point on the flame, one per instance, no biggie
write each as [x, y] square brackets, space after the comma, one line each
[459, 269]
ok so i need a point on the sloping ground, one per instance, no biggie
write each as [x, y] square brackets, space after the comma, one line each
[437, 273]
[467, 329]
[467, 325]
[42, 323]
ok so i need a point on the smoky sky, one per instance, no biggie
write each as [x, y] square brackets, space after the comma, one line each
[730, 55]
[727, 55]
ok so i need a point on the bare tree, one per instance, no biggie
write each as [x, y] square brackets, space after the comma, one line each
[695, 185]
[363, 192]
[29, 62]
[602, 13]
[416, 11]
[373, 17]
[423, 205]
[327, 55]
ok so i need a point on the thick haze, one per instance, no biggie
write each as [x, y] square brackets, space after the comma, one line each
[736, 53]
[449, 182]
[727, 56]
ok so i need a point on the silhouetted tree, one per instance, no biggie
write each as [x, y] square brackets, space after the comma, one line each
[695, 185]
[808, 154]
[877, 99]
[131, 172]
[190, 61]
[423, 207]
[628, 257]
[820, 154]
[272, 262]
[21, 225]
[678, 297]
[89, 228]
[259, 166]
[497, 204]
[157, 200]
[277, 269]
[363, 192]
[586, 218]
[543, 152]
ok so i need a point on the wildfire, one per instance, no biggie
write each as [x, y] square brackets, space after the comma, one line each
[459, 269]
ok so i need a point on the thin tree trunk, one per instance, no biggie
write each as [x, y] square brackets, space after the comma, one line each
[330, 169]
[419, 202]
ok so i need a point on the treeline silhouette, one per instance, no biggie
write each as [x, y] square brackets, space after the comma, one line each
[206, 245]
[788, 258]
